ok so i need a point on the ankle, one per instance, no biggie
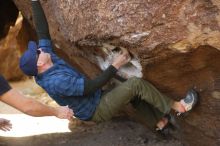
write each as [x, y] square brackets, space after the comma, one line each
[177, 106]
[162, 123]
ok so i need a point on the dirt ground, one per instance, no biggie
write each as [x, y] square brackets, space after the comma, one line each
[121, 131]
[115, 133]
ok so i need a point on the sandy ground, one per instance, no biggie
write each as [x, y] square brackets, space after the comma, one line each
[50, 131]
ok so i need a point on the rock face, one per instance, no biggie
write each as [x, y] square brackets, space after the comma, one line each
[14, 35]
[175, 43]
[8, 16]
[15, 40]
[9, 53]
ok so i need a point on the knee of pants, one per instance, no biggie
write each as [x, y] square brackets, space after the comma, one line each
[138, 82]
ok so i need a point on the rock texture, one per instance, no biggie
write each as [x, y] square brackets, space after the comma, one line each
[8, 50]
[14, 35]
[8, 16]
[177, 43]
[11, 47]
[9, 54]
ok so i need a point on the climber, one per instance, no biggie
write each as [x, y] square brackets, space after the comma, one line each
[84, 96]
[27, 105]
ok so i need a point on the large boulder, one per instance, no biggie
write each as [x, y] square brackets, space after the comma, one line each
[175, 44]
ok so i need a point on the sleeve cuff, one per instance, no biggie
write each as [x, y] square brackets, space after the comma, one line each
[112, 69]
[4, 86]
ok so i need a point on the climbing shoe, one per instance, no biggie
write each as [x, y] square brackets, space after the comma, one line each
[189, 101]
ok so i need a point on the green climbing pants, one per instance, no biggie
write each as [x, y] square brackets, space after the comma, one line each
[149, 102]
